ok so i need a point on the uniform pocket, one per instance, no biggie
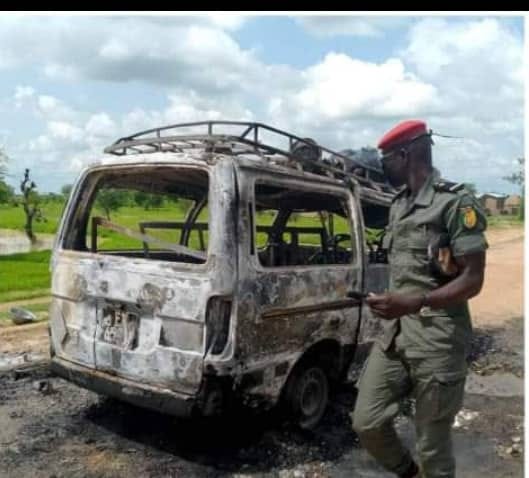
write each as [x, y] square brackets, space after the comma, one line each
[451, 390]
[363, 370]
[440, 397]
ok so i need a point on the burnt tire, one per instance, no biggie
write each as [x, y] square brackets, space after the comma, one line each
[307, 395]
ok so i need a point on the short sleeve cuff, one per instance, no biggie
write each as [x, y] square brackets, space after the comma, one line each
[469, 245]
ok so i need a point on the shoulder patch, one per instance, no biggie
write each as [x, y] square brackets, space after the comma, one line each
[448, 187]
[468, 216]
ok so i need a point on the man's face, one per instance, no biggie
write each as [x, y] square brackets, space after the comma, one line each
[394, 164]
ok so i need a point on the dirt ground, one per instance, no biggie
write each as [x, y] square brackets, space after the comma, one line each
[502, 295]
[51, 428]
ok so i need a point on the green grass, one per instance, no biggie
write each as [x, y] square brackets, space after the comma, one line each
[264, 218]
[16, 295]
[131, 217]
[504, 221]
[12, 217]
[23, 276]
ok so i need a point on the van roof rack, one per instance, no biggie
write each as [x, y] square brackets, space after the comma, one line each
[246, 138]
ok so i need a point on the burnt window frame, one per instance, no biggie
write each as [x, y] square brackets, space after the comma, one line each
[84, 196]
[296, 183]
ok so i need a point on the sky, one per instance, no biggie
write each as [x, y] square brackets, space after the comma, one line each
[71, 85]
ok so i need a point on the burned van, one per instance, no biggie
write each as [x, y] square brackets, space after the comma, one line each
[195, 270]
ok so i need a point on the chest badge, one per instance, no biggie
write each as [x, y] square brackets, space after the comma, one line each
[468, 217]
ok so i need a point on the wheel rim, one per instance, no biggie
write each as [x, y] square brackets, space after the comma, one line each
[313, 397]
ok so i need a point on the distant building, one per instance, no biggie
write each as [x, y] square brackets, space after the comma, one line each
[513, 204]
[493, 203]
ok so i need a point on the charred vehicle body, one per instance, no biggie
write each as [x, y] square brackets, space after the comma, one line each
[232, 286]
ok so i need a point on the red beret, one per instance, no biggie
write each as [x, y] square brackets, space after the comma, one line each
[402, 133]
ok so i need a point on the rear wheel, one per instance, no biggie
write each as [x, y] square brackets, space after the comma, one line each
[307, 395]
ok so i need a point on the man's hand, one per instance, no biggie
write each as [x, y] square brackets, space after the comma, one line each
[390, 305]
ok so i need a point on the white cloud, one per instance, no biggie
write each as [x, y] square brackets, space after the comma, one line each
[65, 131]
[343, 93]
[100, 125]
[192, 51]
[114, 50]
[190, 106]
[48, 105]
[350, 25]
[139, 119]
[44, 106]
[60, 71]
[436, 44]
[41, 144]
[478, 63]
[72, 144]
[463, 76]
[23, 92]
[227, 21]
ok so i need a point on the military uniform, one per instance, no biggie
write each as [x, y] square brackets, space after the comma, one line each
[421, 354]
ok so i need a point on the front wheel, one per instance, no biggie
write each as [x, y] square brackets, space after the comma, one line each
[307, 395]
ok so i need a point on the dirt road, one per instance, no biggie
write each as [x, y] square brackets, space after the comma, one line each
[502, 295]
[50, 428]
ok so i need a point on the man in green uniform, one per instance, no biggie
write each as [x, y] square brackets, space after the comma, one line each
[436, 246]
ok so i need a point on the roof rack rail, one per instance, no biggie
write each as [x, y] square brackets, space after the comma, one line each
[247, 139]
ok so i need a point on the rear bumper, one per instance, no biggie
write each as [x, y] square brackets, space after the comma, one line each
[147, 396]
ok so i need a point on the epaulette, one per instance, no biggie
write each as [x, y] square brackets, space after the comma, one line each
[399, 194]
[448, 187]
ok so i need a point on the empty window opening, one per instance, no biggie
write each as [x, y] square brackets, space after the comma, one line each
[296, 227]
[158, 213]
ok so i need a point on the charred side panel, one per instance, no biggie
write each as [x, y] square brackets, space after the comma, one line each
[287, 330]
[283, 311]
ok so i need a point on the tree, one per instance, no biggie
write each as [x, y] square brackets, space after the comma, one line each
[111, 200]
[147, 200]
[6, 192]
[66, 190]
[30, 201]
[3, 163]
[518, 178]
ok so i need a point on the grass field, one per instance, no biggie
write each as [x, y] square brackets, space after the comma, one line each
[13, 217]
[23, 276]
[504, 221]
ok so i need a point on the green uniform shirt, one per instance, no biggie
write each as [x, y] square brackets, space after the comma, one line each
[414, 223]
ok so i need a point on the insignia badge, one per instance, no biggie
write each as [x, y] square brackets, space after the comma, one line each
[469, 217]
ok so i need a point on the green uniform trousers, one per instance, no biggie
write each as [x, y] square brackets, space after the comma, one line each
[437, 383]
